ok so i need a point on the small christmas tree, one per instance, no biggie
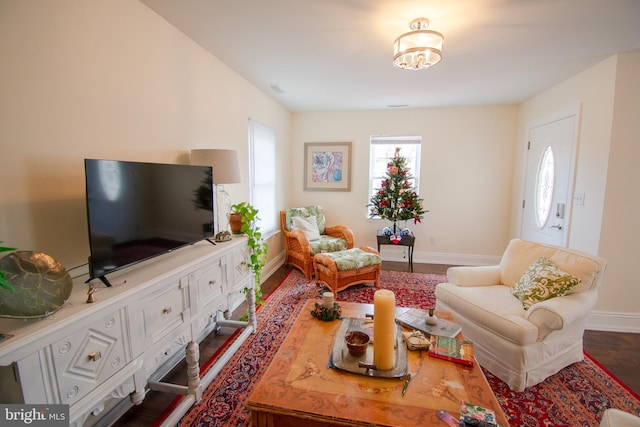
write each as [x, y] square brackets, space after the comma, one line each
[397, 200]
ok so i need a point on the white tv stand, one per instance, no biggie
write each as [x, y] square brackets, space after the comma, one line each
[92, 356]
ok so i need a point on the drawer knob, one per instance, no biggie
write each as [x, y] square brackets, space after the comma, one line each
[166, 310]
[212, 282]
[95, 356]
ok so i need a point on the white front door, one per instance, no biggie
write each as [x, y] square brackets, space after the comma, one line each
[549, 180]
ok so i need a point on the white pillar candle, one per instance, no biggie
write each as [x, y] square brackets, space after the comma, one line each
[327, 300]
[384, 329]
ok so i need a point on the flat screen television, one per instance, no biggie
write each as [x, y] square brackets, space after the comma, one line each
[137, 211]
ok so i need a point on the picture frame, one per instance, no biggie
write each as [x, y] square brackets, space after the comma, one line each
[327, 166]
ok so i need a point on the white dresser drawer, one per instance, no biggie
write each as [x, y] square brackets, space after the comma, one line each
[241, 276]
[211, 283]
[164, 311]
[168, 348]
[236, 295]
[240, 264]
[85, 359]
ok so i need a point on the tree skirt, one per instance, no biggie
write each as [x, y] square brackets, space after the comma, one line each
[577, 395]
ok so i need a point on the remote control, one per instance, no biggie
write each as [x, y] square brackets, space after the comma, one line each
[447, 418]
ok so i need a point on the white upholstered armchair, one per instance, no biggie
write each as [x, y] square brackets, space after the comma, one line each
[523, 346]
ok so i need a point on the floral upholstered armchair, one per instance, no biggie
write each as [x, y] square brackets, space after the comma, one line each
[305, 234]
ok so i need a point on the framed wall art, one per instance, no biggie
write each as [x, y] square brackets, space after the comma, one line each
[327, 166]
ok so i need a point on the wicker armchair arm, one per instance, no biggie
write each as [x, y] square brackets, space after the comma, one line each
[341, 232]
[370, 250]
[326, 262]
[298, 241]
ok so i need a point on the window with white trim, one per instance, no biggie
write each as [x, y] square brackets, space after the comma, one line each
[262, 174]
[382, 149]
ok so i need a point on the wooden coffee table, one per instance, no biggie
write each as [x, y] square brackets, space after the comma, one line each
[299, 388]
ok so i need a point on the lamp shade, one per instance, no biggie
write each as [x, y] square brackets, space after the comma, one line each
[224, 163]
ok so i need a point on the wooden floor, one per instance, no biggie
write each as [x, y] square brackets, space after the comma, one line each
[617, 352]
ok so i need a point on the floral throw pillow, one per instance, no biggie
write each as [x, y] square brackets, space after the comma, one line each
[542, 281]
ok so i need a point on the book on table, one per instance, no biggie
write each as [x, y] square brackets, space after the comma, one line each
[416, 318]
[458, 350]
[474, 415]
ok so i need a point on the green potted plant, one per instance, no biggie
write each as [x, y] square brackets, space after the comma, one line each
[257, 247]
[235, 222]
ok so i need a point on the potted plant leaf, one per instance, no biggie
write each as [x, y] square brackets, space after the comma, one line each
[257, 247]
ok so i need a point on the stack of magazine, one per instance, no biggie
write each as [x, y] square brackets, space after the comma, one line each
[441, 339]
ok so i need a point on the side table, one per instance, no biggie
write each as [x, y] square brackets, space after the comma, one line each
[407, 241]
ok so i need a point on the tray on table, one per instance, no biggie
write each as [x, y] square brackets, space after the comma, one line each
[340, 357]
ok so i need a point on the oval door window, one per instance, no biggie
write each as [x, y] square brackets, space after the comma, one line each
[544, 186]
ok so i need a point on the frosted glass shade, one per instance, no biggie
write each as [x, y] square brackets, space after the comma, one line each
[418, 49]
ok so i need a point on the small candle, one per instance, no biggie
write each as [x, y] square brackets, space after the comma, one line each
[384, 329]
[327, 300]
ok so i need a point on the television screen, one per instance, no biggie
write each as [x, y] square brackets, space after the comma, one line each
[137, 211]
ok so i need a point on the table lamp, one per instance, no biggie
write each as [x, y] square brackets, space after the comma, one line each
[225, 171]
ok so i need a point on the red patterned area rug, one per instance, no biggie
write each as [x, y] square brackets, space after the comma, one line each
[575, 396]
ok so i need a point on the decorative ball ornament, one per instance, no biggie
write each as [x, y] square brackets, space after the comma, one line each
[39, 284]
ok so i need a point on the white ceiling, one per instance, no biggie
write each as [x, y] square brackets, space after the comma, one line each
[336, 54]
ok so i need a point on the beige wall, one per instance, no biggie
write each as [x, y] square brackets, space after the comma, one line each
[606, 172]
[592, 92]
[620, 232]
[465, 177]
[106, 79]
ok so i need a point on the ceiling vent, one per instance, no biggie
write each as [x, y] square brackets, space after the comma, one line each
[276, 89]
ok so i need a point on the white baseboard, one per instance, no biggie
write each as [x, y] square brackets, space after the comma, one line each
[455, 259]
[613, 321]
[399, 254]
[272, 266]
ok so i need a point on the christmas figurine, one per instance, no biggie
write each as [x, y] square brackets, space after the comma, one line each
[431, 318]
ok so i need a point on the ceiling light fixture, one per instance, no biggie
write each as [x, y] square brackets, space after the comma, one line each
[419, 48]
